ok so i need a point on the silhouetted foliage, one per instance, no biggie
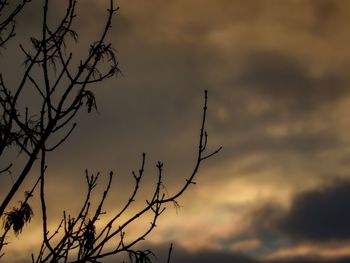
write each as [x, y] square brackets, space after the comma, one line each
[18, 217]
[63, 89]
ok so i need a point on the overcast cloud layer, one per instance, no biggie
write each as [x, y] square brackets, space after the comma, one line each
[279, 96]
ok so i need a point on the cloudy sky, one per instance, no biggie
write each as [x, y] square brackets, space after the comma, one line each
[278, 78]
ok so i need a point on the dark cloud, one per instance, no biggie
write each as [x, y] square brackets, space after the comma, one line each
[226, 257]
[319, 215]
[288, 83]
[304, 143]
[183, 255]
[285, 84]
[310, 260]
[295, 99]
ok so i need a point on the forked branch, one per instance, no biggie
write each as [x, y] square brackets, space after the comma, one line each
[94, 243]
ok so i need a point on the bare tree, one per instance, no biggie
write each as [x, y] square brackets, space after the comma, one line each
[8, 19]
[63, 89]
[8, 16]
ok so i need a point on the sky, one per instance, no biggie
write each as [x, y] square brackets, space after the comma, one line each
[278, 82]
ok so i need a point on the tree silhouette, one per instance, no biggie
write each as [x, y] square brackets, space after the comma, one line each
[63, 89]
